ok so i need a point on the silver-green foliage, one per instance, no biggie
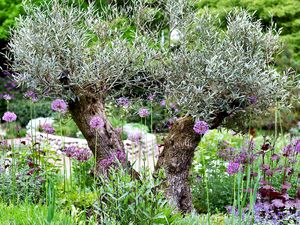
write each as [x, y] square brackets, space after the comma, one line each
[228, 71]
[189, 58]
[57, 40]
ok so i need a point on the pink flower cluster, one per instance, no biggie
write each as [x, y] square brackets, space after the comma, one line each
[96, 122]
[47, 128]
[59, 105]
[233, 168]
[113, 159]
[143, 112]
[9, 117]
[201, 127]
[80, 154]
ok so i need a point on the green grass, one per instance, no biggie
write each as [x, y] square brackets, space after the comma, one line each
[31, 214]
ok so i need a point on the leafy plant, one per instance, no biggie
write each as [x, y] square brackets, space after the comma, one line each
[132, 201]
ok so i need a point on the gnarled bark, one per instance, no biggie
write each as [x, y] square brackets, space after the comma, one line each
[176, 159]
[102, 142]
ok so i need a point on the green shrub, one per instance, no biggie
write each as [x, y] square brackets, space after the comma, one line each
[193, 219]
[67, 126]
[133, 201]
[23, 110]
[207, 163]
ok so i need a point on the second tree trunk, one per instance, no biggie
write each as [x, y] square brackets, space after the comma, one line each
[176, 159]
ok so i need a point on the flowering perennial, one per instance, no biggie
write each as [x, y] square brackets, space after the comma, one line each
[123, 102]
[143, 112]
[96, 123]
[201, 127]
[47, 128]
[113, 159]
[233, 168]
[59, 105]
[9, 117]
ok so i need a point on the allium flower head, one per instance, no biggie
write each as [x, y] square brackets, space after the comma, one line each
[143, 112]
[287, 150]
[233, 168]
[59, 105]
[31, 95]
[9, 117]
[201, 127]
[123, 102]
[111, 160]
[96, 123]
[70, 151]
[135, 137]
[275, 157]
[82, 154]
[163, 103]
[47, 128]
[7, 97]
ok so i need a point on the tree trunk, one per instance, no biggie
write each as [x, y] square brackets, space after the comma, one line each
[103, 142]
[176, 159]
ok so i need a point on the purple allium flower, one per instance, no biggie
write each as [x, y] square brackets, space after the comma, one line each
[7, 97]
[286, 186]
[143, 112]
[59, 105]
[269, 172]
[110, 161]
[82, 154]
[31, 95]
[298, 124]
[70, 151]
[233, 168]
[135, 137]
[96, 123]
[9, 117]
[252, 99]
[201, 127]
[47, 128]
[151, 97]
[123, 102]
[163, 103]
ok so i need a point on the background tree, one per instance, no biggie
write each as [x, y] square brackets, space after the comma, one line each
[88, 58]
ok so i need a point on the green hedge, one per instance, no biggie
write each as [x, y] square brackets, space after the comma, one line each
[23, 110]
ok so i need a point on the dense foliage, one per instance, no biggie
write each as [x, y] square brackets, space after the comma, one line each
[9, 10]
[286, 14]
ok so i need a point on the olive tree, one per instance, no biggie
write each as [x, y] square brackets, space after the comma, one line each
[62, 51]
[221, 77]
[87, 57]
